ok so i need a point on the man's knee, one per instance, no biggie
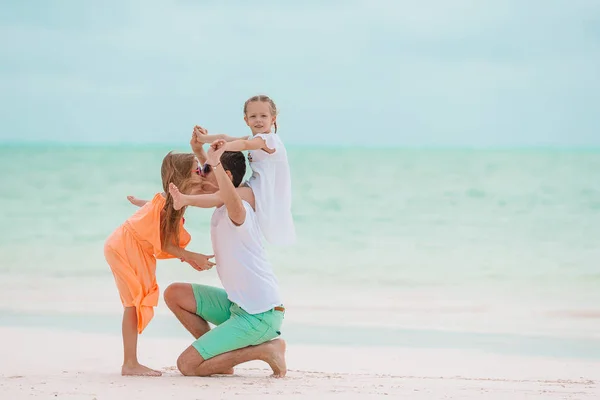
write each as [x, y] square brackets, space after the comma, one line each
[173, 293]
[189, 362]
[185, 367]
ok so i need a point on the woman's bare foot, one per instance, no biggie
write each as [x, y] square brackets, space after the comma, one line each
[276, 358]
[138, 370]
[178, 198]
[136, 202]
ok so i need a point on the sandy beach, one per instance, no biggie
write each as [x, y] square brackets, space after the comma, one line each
[73, 365]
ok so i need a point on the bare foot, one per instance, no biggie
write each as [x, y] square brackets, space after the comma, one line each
[227, 372]
[276, 358]
[177, 196]
[138, 370]
[135, 201]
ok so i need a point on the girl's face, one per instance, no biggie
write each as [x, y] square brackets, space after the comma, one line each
[258, 117]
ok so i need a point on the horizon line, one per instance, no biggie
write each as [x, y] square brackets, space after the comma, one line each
[311, 146]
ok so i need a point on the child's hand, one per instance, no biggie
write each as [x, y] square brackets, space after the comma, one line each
[200, 262]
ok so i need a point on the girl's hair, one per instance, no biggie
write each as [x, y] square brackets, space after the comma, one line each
[176, 168]
[266, 99]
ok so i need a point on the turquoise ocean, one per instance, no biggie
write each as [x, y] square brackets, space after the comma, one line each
[497, 250]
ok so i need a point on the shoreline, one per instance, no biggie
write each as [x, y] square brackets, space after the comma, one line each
[164, 326]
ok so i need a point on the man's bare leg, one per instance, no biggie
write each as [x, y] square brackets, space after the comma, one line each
[191, 363]
[131, 366]
[180, 299]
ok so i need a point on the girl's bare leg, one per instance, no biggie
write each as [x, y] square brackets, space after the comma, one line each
[131, 366]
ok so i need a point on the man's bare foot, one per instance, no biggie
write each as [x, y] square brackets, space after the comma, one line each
[138, 370]
[276, 358]
[136, 202]
[178, 198]
[228, 372]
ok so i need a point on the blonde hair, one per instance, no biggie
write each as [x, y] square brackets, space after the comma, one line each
[175, 168]
[265, 99]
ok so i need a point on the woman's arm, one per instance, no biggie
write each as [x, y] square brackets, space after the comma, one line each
[197, 146]
[136, 202]
[198, 261]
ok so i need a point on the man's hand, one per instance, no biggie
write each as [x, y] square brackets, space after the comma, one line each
[217, 148]
[199, 262]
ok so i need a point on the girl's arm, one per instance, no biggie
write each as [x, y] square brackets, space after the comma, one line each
[203, 136]
[200, 136]
[222, 136]
[245, 144]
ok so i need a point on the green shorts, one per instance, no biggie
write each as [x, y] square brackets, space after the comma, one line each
[235, 328]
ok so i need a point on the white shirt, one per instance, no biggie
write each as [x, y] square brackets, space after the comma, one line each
[242, 265]
[272, 186]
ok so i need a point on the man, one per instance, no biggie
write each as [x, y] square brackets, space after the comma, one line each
[248, 313]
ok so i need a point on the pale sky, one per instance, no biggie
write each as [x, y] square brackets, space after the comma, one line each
[418, 73]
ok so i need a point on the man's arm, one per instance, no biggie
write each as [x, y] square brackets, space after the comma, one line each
[228, 193]
[229, 196]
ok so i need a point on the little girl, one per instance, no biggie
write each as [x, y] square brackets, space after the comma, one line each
[270, 181]
[155, 231]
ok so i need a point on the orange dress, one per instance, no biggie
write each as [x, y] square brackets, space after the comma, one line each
[131, 251]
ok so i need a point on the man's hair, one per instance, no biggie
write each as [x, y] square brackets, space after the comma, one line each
[234, 162]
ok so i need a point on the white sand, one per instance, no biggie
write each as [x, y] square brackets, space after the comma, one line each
[70, 365]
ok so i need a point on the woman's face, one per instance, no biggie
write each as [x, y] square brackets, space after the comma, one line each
[208, 180]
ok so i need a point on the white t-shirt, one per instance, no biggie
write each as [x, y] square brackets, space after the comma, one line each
[272, 186]
[242, 265]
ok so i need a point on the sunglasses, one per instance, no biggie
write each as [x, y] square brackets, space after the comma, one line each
[203, 170]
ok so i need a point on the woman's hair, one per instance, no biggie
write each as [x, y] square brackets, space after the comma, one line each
[176, 168]
[266, 99]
